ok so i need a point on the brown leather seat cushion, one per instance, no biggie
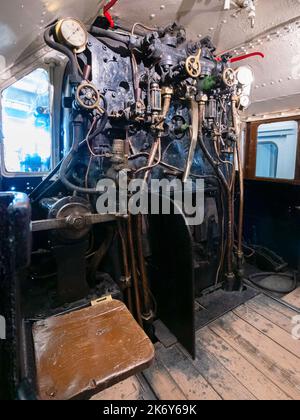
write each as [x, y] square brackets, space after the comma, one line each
[83, 352]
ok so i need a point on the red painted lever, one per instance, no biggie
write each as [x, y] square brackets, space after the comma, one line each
[109, 5]
[243, 57]
[106, 13]
[110, 19]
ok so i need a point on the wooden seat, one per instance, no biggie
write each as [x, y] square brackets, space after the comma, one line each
[84, 352]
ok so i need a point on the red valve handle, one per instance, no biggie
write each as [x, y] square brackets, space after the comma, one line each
[242, 57]
[106, 13]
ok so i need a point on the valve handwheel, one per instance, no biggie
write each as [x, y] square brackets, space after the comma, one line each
[88, 97]
[193, 65]
[229, 77]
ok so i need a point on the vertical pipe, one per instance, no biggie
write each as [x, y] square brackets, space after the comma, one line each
[152, 156]
[194, 138]
[240, 253]
[144, 276]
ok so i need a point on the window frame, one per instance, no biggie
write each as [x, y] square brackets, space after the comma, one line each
[251, 151]
[5, 86]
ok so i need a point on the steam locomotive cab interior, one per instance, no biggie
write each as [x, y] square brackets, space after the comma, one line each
[134, 186]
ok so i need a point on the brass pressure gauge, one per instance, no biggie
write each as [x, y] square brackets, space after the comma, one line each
[72, 33]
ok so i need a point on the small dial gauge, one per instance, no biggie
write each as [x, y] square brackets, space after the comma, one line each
[244, 102]
[72, 33]
[245, 75]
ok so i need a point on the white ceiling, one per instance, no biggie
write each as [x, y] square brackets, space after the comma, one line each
[276, 34]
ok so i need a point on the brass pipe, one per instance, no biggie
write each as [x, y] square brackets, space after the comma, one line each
[153, 153]
[241, 178]
[194, 138]
[134, 271]
[100, 254]
[220, 175]
[242, 202]
[167, 93]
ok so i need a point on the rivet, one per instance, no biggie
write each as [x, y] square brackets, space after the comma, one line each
[162, 7]
[152, 16]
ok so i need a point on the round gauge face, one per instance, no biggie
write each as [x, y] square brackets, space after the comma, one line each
[245, 76]
[73, 33]
[244, 101]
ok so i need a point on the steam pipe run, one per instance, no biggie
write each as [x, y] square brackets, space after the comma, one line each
[196, 120]
[147, 312]
[221, 176]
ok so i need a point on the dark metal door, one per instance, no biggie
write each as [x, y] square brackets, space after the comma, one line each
[173, 276]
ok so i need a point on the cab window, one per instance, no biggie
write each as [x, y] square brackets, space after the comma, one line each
[26, 124]
[277, 150]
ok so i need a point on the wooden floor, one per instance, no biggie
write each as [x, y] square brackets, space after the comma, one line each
[248, 354]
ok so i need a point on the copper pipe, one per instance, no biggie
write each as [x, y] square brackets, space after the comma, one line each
[220, 175]
[242, 202]
[126, 265]
[100, 254]
[194, 138]
[134, 271]
[152, 157]
[143, 271]
[241, 177]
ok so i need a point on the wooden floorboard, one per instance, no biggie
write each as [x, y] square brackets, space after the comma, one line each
[185, 374]
[220, 378]
[244, 372]
[277, 334]
[270, 310]
[247, 354]
[277, 364]
[134, 388]
[162, 383]
[293, 298]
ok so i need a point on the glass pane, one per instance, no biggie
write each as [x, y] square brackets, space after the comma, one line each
[26, 123]
[277, 150]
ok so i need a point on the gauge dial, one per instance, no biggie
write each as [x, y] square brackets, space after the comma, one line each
[72, 33]
[244, 101]
[245, 75]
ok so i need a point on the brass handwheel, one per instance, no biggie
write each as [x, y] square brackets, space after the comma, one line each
[88, 97]
[193, 65]
[229, 77]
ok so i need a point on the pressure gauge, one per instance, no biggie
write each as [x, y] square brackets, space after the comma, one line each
[245, 76]
[244, 101]
[72, 33]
